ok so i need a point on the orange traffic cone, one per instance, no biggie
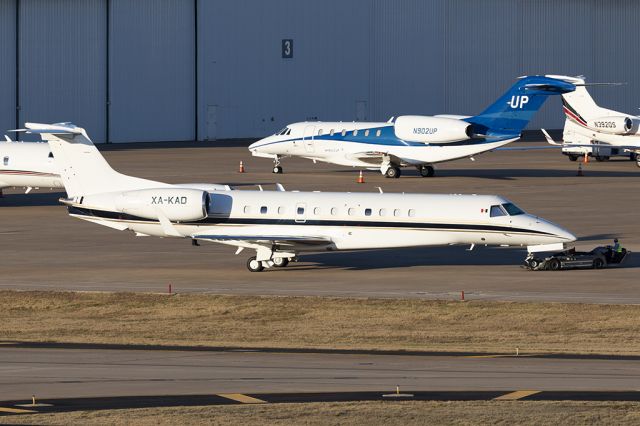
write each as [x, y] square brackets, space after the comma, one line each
[579, 169]
[360, 178]
[241, 169]
[586, 158]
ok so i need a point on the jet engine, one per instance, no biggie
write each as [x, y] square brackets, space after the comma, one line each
[418, 128]
[176, 204]
[616, 125]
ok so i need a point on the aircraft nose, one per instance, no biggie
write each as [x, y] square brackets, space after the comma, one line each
[562, 234]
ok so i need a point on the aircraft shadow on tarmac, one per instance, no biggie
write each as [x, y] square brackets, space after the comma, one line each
[435, 256]
[510, 174]
[402, 258]
[33, 199]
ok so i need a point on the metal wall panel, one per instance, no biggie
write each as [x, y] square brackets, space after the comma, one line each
[7, 65]
[63, 63]
[152, 70]
[250, 90]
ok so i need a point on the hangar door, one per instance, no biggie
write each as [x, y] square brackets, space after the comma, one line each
[151, 71]
[62, 72]
[7, 66]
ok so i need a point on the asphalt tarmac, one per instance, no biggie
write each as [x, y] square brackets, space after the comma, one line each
[43, 248]
[70, 373]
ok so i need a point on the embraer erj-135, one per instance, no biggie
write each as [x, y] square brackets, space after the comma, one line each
[278, 224]
[27, 165]
[414, 140]
[593, 130]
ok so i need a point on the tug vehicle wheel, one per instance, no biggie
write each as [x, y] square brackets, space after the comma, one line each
[280, 262]
[598, 263]
[254, 265]
[638, 161]
[554, 265]
[393, 173]
[573, 157]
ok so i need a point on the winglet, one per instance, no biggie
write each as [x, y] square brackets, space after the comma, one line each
[7, 138]
[549, 138]
[279, 187]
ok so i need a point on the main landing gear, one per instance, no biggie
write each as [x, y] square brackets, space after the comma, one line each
[393, 172]
[277, 168]
[426, 171]
[255, 265]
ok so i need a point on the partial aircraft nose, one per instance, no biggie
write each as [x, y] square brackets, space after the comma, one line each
[560, 234]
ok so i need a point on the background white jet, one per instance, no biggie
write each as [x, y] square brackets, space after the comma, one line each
[28, 165]
[412, 140]
[595, 131]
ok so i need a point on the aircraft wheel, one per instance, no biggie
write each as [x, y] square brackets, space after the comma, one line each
[253, 265]
[426, 171]
[554, 265]
[277, 170]
[573, 158]
[598, 263]
[280, 262]
[638, 162]
[393, 173]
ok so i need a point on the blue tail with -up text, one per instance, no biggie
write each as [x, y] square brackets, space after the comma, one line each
[511, 113]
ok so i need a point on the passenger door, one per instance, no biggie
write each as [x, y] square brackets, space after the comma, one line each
[308, 138]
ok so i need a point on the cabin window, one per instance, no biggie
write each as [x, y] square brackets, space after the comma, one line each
[331, 132]
[367, 212]
[366, 133]
[355, 133]
[263, 210]
[334, 211]
[317, 211]
[378, 133]
[352, 211]
[247, 209]
[396, 212]
[512, 209]
[344, 132]
[497, 211]
[382, 212]
[5, 161]
[300, 210]
[412, 213]
[281, 210]
[320, 132]
[51, 155]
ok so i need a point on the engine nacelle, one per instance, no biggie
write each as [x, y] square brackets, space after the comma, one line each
[420, 128]
[176, 204]
[615, 124]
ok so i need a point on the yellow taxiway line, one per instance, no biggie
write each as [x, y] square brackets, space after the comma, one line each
[245, 399]
[512, 396]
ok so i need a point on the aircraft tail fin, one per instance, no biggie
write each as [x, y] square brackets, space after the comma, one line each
[511, 113]
[579, 106]
[83, 169]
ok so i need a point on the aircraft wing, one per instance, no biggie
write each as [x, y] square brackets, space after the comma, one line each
[628, 148]
[243, 240]
[374, 157]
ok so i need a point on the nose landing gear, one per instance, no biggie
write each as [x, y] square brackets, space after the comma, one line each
[277, 168]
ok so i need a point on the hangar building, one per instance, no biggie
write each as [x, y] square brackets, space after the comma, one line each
[184, 70]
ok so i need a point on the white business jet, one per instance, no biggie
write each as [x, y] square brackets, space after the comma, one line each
[278, 224]
[27, 165]
[595, 131]
[412, 140]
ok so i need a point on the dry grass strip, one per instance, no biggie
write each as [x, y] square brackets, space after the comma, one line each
[318, 322]
[363, 413]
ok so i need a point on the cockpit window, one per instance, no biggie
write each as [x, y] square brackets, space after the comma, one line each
[284, 131]
[288, 132]
[512, 209]
[497, 211]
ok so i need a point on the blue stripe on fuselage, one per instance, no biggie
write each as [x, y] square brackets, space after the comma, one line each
[387, 138]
